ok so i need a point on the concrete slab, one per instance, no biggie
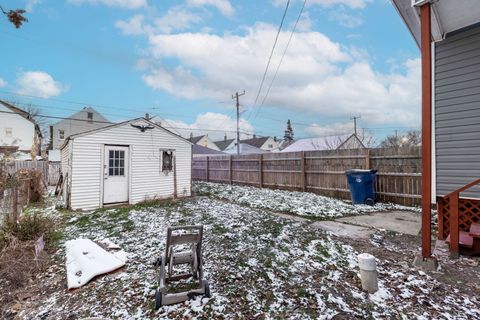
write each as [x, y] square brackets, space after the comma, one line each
[398, 221]
[344, 230]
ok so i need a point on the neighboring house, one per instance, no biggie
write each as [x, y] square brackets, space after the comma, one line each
[264, 143]
[128, 162]
[245, 149]
[199, 151]
[326, 143]
[225, 143]
[85, 120]
[448, 34]
[18, 132]
[204, 141]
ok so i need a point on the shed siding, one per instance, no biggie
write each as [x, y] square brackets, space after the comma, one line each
[146, 179]
[457, 111]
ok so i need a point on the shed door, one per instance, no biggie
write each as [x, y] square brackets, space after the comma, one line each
[115, 174]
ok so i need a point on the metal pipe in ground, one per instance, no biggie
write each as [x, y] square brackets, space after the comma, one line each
[368, 272]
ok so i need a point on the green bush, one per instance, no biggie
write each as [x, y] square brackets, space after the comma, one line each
[29, 227]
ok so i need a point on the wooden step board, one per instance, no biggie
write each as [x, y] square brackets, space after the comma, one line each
[475, 230]
[465, 239]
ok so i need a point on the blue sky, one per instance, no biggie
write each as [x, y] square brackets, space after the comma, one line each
[182, 60]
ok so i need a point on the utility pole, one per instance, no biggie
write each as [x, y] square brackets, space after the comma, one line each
[236, 96]
[354, 118]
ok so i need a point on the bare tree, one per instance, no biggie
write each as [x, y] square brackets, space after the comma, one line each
[410, 139]
[16, 17]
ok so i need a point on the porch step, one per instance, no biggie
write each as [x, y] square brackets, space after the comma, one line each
[465, 239]
[475, 230]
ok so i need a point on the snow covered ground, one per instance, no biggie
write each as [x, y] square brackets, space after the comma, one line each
[299, 203]
[259, 266]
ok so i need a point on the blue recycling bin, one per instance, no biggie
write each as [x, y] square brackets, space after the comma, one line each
[361, 184]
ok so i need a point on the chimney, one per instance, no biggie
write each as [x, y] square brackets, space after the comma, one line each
[147, 116]
[191, 135]
[225, 137]
[254, 136]
[275, 138]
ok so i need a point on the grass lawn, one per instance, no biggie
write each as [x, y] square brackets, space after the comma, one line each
[259, 265]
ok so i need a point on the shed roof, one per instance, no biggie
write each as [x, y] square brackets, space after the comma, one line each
[73, 136]
[245, 149]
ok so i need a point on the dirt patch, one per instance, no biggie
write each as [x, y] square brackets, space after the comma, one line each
[400, 249]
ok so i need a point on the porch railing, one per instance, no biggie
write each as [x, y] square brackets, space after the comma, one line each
[454, 200]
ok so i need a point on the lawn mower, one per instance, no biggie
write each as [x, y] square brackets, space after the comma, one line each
[183, 248]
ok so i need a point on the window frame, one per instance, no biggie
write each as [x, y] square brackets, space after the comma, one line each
[61, 134]
[162, 159]
[90, 116]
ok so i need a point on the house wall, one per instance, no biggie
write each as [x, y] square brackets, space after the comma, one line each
[71, 127]
[23, 130]
[208, 143]
[457, 111]
[146, 179]
[269, 145]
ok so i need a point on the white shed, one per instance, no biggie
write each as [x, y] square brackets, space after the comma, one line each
[129, 162]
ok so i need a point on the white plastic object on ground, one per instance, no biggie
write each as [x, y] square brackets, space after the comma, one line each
[86, 260]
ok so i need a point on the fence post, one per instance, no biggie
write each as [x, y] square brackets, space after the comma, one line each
[260, 170]
[367, 160]
[230, 168]
[207, 170]
[303, 173]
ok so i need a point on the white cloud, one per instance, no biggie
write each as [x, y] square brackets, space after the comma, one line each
[3, 83]
[134, 26]
[220, 125]
[346, 19]
[354, 4]
[337, 128]
[38, 83]
[126, 4]
[305, 23]
[176, 19]
[31, 4]
[317, 76]
[224, 6]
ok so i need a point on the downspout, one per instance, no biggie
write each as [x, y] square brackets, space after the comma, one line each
[426, 53]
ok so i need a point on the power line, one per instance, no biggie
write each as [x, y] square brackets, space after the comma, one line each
[271, 53]
[110, 123]
[283, 55]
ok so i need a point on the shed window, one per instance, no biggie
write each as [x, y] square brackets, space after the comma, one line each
[116, 163]
[167, 160]
[8, 132]
[61, 134]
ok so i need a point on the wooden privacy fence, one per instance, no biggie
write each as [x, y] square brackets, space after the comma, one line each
[50, 170]
[323, 172]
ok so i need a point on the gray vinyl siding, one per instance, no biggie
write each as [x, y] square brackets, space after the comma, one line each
[457, 112]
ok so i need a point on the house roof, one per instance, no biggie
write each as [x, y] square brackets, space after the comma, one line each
[76, 116]
[73, 136]
[245, 149]
[223, 144]
[256, 142]
[447, 16]
[198, 149]
[22, 113]
[319, 143]
[195, 139]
